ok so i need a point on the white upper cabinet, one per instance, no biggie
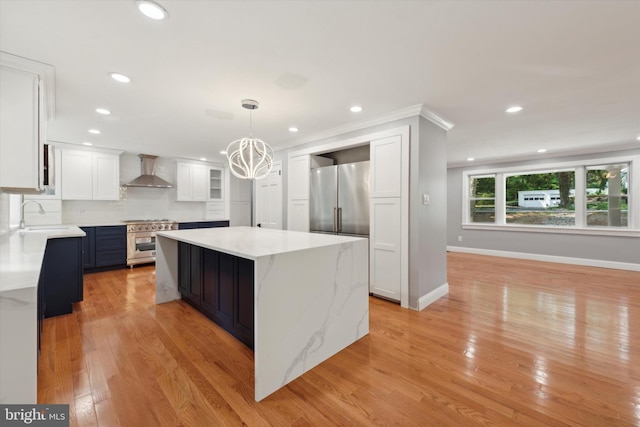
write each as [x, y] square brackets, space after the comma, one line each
[22, 129]
[191, 182]
[386, 167]
[215, 184]
[90, 175]
[298, 179]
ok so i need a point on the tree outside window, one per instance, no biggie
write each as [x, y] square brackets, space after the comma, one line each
[482, 199]
[607, 198]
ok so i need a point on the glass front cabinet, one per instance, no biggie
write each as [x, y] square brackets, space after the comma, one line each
[216, 184]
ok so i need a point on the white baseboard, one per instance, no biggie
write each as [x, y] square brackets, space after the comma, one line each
[432, 296]
[548, 258]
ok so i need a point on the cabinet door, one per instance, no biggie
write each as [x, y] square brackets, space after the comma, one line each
[20, 134]
[224, 297]
[77, 175]
[210, 281]
[184, 268]
[199, 183]
[298, 179]
[385, 248]
[298, 215]
[88, 247]
[62, 275]
[106, 176]
[184, 182]
[386, 167]
[243, 312]
[215, 184]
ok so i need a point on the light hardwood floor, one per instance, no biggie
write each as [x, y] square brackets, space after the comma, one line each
[514, 343]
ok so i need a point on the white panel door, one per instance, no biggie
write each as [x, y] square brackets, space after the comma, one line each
[106, 176]
[200, 183]
[269, 199]
[76, 172]
[385, 248]
[386, 167]
[299, 215]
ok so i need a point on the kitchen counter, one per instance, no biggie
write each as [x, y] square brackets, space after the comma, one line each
[21, 257]
[310, 293]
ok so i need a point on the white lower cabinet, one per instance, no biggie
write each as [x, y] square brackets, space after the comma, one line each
[298, 215]
[90, 175]
[385, 248]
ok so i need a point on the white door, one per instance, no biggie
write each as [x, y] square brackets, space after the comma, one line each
[385, 248]
[269, 199]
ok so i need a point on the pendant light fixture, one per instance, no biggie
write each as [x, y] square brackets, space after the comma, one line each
[250, 158]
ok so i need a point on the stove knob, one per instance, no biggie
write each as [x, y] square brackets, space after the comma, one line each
[153, 227]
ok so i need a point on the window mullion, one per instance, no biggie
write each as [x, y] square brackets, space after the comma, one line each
[500, 202]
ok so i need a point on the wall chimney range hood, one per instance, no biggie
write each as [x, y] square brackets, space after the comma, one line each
[148, 177]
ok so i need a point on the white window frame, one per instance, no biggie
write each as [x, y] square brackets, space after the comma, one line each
[580, 227]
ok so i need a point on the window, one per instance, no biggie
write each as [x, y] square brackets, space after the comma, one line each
[596, 197]
[482, 204]
[607, 195]
[540, 198]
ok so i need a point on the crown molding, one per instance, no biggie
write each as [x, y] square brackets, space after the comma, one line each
[403, 113]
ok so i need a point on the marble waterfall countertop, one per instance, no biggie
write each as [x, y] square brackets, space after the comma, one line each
[255, 242]
[310, 293]
[21, 257]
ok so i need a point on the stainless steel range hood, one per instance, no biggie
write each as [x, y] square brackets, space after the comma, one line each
[148, 177]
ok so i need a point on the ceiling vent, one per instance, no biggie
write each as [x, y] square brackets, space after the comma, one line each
[148, 177]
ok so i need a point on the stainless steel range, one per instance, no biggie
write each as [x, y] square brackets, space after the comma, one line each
[141, 239]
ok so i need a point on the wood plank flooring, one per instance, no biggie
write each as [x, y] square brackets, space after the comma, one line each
[514, 343]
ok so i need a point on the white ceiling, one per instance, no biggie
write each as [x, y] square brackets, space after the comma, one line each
[573, 65]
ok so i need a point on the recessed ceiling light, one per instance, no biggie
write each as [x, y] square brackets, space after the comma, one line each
[514, 109]
[94, 131]
[151, 10]
[120, 77]
[638, 138]
[103, 111]
[293, 129]
[223, 152]
[356, 109]
[203, 158]
[87, 143]
[542, 150]
[470, 159]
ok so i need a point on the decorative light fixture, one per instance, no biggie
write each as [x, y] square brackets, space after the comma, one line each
[250, 158]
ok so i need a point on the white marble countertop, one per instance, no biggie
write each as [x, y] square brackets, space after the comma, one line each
[255, 242]
[22, 252]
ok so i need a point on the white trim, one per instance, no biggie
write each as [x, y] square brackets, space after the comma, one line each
[411, 111]
[548, 258]
[556, 229]
[436, 119]
[92, 148]
[433, 296]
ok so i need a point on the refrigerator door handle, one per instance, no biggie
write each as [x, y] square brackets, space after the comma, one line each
[339, 220]
[335, 220]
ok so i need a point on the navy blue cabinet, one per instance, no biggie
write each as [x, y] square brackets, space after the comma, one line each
[220, 286]
[104, 246]
[202, 224]
[89, 247]
[61, 281]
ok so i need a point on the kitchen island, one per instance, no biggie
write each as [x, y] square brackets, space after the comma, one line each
[310, 293]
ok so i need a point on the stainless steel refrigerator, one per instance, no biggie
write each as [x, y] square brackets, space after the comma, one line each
[340, 199]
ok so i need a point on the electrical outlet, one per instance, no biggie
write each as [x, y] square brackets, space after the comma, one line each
[425, 199]
[459, 238]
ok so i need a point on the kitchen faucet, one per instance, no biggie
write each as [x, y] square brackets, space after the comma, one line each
[41, 210]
